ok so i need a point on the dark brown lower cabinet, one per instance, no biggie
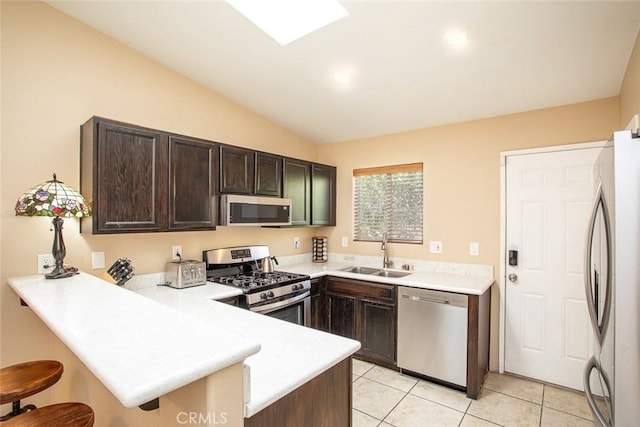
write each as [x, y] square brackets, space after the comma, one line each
[325, 401]
[342, 315]
[318, 313]
[378, 331]
[367, 312]
[478, 318]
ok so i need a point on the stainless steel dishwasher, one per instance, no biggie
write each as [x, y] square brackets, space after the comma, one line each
[432, 334]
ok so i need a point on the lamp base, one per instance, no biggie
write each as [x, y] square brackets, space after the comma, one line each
[66, 272]
[59, 251]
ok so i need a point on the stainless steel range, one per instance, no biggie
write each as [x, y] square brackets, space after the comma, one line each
[279, 294]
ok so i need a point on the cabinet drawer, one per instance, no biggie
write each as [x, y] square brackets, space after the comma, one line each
[363, 290]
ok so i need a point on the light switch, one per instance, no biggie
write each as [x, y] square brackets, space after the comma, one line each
[97, 260]
[474, 248]
[435, 247]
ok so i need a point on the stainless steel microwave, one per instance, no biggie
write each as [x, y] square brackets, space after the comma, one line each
[237, 210]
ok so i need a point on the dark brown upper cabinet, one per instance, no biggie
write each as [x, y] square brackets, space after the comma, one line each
[245, 171]
[323, 195]
[268, 175]
[237, 169]
[144, 180]
[192, 183]
[297, 187]
[312, 190]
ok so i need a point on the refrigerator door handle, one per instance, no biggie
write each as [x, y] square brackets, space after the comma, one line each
[590, 366]
[600, 205]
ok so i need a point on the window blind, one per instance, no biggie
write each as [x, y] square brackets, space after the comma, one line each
[388, 199]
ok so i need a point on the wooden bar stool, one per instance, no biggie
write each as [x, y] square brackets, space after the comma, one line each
[57, 415]
[26, 379]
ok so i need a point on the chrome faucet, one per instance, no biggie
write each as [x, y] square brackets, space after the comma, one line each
[386, 262]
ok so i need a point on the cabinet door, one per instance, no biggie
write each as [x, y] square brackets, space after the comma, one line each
[372, 320]
[342, 315]
[297, 187]
[268, 175]
[323, 195]
[318, 312]
[237, 168]
[191, 184]
[378, 331]
[127, 174]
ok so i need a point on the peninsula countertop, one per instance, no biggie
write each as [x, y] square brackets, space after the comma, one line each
[139, 349]
[135, 341]
[290, 355]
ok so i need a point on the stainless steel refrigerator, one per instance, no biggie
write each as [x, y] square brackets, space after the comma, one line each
[612, 284]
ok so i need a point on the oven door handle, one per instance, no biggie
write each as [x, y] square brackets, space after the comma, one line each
[273, 306]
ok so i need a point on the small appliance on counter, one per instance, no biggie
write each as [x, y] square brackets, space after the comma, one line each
[320, 249]
[185, 274]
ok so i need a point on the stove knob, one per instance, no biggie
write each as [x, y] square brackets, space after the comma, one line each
[295, 287]
[263, 296]
[270, 294]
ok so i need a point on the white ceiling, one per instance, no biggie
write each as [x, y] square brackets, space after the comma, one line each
[523, 55]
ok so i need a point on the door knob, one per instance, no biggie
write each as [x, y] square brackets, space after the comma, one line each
[513, 277]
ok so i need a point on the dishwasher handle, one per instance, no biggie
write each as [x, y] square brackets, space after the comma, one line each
[423, 299]
[408, 296]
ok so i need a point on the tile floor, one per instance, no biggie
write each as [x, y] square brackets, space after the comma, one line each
[383, 397]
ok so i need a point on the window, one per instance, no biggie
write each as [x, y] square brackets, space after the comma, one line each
[388, 199]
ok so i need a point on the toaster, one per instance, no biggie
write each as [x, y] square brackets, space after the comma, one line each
[185, 274]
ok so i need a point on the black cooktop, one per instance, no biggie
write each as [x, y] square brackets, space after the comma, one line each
[258, 280]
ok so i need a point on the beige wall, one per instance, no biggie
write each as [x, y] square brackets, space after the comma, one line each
[461, 173]
[630, 90]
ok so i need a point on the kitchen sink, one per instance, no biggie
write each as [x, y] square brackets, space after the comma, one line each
[388, 273]
[361, 270]
[372, 271]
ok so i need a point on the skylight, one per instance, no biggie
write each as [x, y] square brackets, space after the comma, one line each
[289, 20]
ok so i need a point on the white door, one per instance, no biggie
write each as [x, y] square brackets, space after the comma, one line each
[548, 200]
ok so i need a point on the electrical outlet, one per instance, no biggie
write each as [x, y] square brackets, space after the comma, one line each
[46, 262]
[345, 241]
[296, 242]
[176, 253]
[435, 247]
[474, 248]
[97, 260]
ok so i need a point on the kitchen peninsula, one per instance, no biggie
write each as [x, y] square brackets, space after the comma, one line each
[166, 345]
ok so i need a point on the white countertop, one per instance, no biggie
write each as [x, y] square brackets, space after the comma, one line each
[290, 355]
[144, 342]
[139, 349]
[435, 280]
[133, 339]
